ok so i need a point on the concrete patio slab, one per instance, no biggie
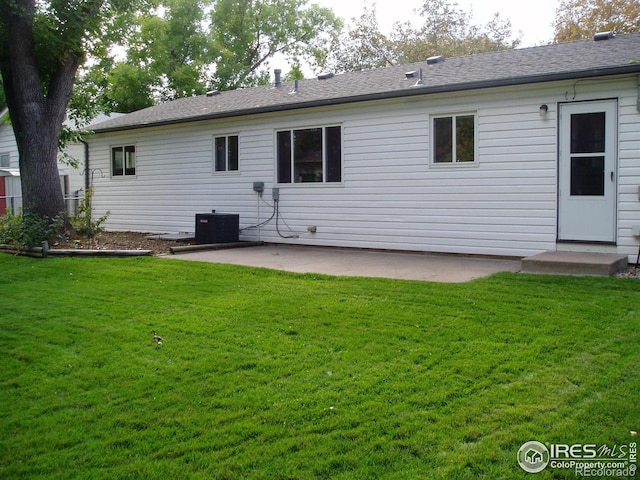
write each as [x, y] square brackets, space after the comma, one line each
[358, 263]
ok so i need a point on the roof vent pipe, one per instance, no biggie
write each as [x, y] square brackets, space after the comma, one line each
[296, 87]
[278, 74]
[420, 81]
[603, 36]
[325, 76]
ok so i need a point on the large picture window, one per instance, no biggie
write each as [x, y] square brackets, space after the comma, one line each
[454, 139]
[226, 153]
[123, 161]
[311, 155]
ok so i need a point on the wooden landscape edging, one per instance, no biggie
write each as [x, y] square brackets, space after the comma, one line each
[44, 251]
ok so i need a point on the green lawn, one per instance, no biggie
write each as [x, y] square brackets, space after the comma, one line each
[270, 375]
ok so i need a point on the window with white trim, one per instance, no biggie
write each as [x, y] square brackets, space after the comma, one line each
[5, 160]
[310, 155]
[225, 153]
[123, 161]
[454, 138]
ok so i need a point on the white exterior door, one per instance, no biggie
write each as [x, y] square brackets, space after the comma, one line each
[587, 171]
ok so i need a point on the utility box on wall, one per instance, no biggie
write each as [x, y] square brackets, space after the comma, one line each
[217, 228]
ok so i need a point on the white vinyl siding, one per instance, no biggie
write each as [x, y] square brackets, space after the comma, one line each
[389, 197]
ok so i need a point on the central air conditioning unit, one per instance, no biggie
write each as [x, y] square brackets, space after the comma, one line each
[217, 228]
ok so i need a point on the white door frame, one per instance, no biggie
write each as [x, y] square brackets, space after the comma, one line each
[587, 208]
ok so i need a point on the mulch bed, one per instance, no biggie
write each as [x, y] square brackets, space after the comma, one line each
[119, 241]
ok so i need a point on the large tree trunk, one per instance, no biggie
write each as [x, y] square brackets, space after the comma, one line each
[41, 188]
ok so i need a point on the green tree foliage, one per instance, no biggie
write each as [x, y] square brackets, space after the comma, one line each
[185, 47]
[247, 33]
[295, 73]
[129, 88]
[167, 57]
[441, 28]
[581, 19]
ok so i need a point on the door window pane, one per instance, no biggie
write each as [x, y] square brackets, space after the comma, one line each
[587, 176]
[587, 132]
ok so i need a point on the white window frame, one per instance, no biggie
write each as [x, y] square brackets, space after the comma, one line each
[226, 170]
[124, 173]
[8, 162]
[325, 172]
[454, 160]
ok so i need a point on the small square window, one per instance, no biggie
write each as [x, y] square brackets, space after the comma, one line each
[226, 153]
[123, 161]
[5, 160]
[454, 139]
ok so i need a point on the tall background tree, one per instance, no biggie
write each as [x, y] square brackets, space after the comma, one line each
[248, 33]
[186, 47]
[581, 19]
[167, 57]
[439, 28]
[362, 46]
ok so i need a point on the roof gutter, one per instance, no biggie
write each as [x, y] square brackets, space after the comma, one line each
[409, 92]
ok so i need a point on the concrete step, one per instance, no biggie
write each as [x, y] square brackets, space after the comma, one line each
[575, 263]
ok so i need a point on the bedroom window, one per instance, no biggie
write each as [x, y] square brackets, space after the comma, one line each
[226, 153]
[123, 161]
[454, 139]
[310, 155]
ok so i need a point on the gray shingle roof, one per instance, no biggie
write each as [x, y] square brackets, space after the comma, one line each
[571, 60]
